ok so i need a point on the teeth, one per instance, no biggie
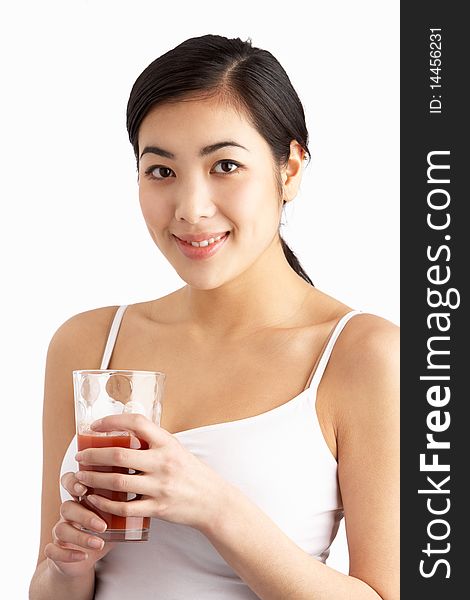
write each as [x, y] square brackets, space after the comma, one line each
[204, 243]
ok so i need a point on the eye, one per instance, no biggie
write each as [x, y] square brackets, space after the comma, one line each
[158, 172]
[224, 163]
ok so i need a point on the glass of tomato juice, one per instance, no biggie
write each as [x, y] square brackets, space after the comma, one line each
[102, 392]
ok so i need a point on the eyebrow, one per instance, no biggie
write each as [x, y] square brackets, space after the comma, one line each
[203, 152]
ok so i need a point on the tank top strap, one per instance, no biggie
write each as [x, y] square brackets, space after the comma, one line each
[112, 336]
[320, 365]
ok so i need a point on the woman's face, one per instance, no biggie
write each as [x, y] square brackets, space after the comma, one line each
[192, 185]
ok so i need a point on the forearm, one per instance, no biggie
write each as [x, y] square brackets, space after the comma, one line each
[270, 563]
[48, 582]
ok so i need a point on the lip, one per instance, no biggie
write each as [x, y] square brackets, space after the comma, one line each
[201, 253]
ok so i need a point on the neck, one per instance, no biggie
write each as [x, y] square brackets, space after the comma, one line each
[268, 294]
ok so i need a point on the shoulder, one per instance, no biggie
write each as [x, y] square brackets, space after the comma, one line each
[88, 321]
[363, 375]
[367, 347]
[77, 344]
[83, 335]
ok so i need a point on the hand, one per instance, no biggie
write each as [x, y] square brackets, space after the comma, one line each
[70, 552]
[175, 485]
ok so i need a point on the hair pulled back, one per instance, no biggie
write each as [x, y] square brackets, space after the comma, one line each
[248, 78]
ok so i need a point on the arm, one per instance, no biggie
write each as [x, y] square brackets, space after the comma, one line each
[366, 418]
[48, 582]
[73, 346]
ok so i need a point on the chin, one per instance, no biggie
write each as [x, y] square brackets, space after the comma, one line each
[203, 285]
[201, 281]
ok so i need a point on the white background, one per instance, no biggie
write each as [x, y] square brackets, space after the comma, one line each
[72, 235]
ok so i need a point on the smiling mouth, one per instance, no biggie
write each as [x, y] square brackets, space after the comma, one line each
[204, 243]
[203, 249]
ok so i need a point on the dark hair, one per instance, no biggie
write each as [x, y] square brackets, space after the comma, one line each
[248, 78]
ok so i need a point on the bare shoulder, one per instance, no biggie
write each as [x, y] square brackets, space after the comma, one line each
[361, 381]
[367, 349]
[363, 375]
[77, 344]
[370, 329]
[84, 334]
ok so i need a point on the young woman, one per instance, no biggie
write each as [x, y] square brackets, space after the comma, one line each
[281, 403]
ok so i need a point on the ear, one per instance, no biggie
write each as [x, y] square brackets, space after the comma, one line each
[291, 174]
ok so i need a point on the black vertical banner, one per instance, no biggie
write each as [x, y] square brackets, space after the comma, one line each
[435, 233]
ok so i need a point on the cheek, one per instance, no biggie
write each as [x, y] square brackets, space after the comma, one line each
[154, 210]
[252, 206]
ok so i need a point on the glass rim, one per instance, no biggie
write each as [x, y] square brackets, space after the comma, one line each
[110, 371]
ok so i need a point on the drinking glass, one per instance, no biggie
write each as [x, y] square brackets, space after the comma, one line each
[102, 392]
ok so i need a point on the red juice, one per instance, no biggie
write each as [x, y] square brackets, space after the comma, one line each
[118, 528]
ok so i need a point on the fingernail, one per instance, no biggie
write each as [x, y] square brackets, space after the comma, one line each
[95, 543]
[98, 525]
[79, 488]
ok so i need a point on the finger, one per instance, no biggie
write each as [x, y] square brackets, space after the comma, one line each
[65, 533]
[58, 554]
[138, 424]
[114, 481]
[137, 460]
[70, 483]
[77, 513]
[132, 508]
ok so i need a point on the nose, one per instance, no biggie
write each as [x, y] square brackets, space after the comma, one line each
[194, 202]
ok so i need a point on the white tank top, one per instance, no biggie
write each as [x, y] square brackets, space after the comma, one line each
[295, 483]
